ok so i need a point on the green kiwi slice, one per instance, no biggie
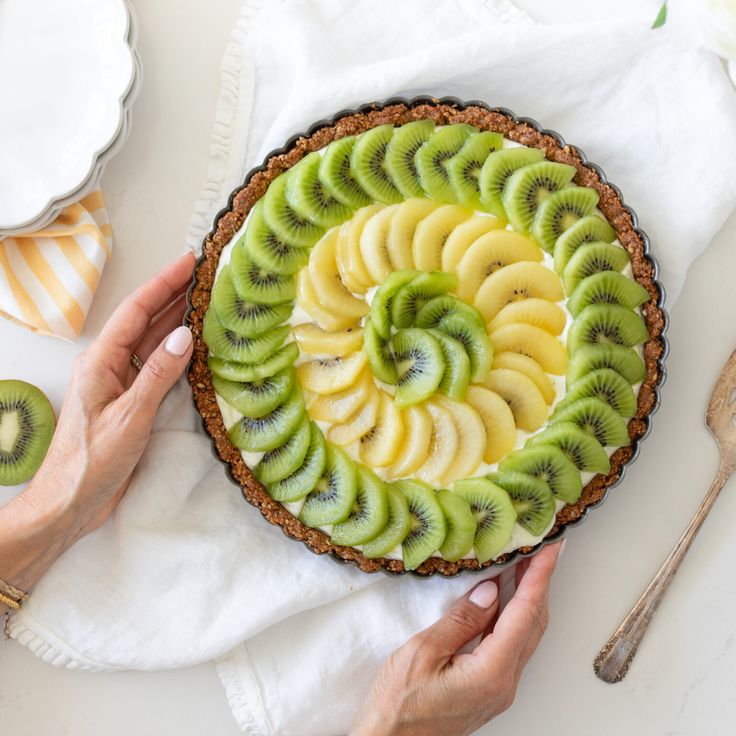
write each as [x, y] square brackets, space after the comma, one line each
[380, 355]
[604, 384]
[427, 526]
[284, 220]
[369, 514]
[589, 229]
[301, 482]
[27, 423]
[267, 250]
[621, 359]
[529, 186]
[420, 365]
[407, 302]
[585, 452]
[256, 398]
[228, 345]
[232, 371]
[432, 158]
[368, 164]
[333, 497]
[606, 323]
[456, 376]
[337, 176]
[465, 166]
[406, 141]
[259, 285]
[593, 258]
[532, 499]
[550, 464]
[381, 303]
[560, 211]
[285, 459]
[261, 434]
[606, 287]
[397, 526]
[461, 525]
[473, 338]
[597, 419]
[435, 309]
[496, 172]
[243, 317]
[494, 514]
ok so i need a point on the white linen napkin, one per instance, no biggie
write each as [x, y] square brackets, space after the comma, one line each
[186, 571]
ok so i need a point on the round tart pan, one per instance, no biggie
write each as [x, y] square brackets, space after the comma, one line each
[443, 111]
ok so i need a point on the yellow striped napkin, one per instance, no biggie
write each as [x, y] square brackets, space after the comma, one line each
[48, 278]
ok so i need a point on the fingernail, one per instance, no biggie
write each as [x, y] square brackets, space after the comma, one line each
[484, 595]
[178, 341]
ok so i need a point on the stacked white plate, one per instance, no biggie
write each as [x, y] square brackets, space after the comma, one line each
[69, 74]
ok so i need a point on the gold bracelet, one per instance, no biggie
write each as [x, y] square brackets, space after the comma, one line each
[9, 593]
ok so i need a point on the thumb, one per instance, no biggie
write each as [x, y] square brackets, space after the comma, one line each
[467, 618]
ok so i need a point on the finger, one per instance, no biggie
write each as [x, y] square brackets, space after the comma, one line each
[166, 322]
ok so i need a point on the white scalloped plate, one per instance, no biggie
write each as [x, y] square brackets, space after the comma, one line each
[66, 69]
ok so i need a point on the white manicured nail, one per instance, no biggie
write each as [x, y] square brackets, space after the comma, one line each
[179, 341]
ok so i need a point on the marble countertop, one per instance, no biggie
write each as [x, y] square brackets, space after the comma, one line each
[681, 681]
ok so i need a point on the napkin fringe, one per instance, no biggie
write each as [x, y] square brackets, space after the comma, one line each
[244, 698]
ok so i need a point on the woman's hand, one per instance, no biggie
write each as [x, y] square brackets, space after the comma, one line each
[426, 688]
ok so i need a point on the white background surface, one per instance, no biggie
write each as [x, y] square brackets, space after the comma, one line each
[681, 683]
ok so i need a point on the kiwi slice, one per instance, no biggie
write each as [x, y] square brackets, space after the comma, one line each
[560, 211]
[461, 525]
[597, 419]
[267, 250]
[261, 434]
[593, 258]
[337, 176]
[607, 287]
[474, 339]
[228, 345]
[380, 355]
[432, 158]
[550, 464]
[397, 526]
[605, 323]
[497, 170]
[259, 285]
[406, 141]
[284, 220]
[604, 384]
[301, 482]
[589, 229]
[243, 317]
[333, 497]
[285, 459]
[407, 302]
[382, 299]
[435, 309]
[369, 514]
[494, 514]
[532, 499]
[27, 423]
[420, 365]
[529, 186]
[309, 197]
[256, 398]
[368, 164]
[427, 526]
[465, 166]
[456, 376]
[623, 360]
[232, 371]
[586, 453]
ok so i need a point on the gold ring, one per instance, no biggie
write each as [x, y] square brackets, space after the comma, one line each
[136, 362]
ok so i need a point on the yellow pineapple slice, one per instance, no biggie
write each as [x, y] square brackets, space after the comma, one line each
[312, 339]
[373, 244]
[358, 423]
[331, 292]
[443, 445]
[432, 232]
[488, 254]
[401, 231]
[538, 312]
[330, 375]
[463, 236]
[533, 341]
[522, 280]
[306, 298]
[529, 367]
[471, 439]
[522, 395]
[349, 261]
[339, 406]
[380, 445]
[417, 434]
[498, 420]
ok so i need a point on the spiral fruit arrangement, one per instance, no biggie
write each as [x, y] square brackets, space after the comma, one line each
[425, 341]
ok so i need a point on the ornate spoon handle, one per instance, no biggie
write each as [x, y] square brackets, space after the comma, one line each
[612, 662]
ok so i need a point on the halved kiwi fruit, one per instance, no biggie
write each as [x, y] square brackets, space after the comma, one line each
[532, 499]
[585, 452]
[597, 419]
[550, 464]
[427, 527]
[407, 302]
[232, 371]
[497, 170]
[560, 211]
[606, 323]
[309, 197]
[380, 354]
[256, 398]
[368, 164]
[607, 287]
[381, 304]
[369, 514]
[284, 220]
[285, 459]
[259, 285]
[302, 481]
[435, 309]
[465, 166]
[461, 525]
[589, 229]
[333, 497]
[267, 250]
[621, 359]
[337, 176]
[397, 527]
[474, 339]
[592, 258]
[228, 345]
[456, 376]
[420, 365]
[604, 384]
[402, 169]
[431, 160]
